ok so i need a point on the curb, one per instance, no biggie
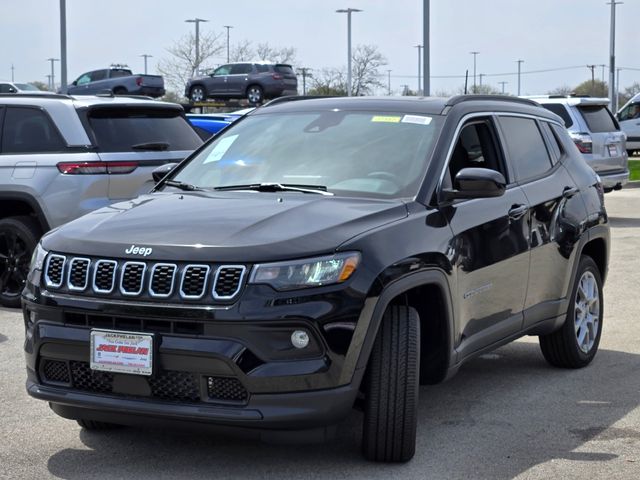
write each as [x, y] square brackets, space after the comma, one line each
[633, 184]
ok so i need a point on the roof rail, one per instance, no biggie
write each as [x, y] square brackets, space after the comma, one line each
[35, 95]
[109, 94]
[499, 98]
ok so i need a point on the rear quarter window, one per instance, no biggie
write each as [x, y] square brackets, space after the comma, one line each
[598, 118]
[561, 111]
[526, 147]
[30, 130]
[283, 69]
[122, 129]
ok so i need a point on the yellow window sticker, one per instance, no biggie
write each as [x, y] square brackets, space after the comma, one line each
[386, 119]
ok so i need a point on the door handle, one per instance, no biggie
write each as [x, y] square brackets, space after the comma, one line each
[569, 192]
[517, 211]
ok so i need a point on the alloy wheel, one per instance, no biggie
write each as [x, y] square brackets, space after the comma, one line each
[587, 311]
[14, 263]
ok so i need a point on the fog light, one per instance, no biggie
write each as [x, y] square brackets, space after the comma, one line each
[300, 339]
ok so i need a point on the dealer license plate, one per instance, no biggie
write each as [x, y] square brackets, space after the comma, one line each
[613, 150]
[121, 352]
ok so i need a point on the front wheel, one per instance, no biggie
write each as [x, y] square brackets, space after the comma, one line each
[391, 388]
[576, 343]
[18, 239]
[197, 94]
[255, 94]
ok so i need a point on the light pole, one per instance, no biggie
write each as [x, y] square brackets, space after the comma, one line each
[12, 69]
[426, 90]
[520, 62]
[503, 84]
[603, 67]
[348, 11]
[419, 47]
[53, 82]
[613, 98]
[63, 45]
[145, 56]
[196, 66]
[389, 82]
[480, 75]
[475, 54]
[49, 81]
[228, 27]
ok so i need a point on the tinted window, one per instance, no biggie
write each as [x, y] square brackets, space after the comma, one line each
[29, 130]
[119, 130]
[240, 69]
[598, 118]
[526, 147]
[6, 88]
[223, 70]
[475, 148]
[561, 111]
[351, 153]
[98, 75]
[120, 73]
[283, 69]
[261, 68]
[553, 142]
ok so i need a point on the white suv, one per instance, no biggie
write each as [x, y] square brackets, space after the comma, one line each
[629, 118]
[596, 133]
[62, 157]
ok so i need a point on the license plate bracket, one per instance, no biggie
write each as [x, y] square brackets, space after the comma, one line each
[121, 352]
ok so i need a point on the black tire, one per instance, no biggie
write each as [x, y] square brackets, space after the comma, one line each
[95, 425]
[197, 94]
[391, 388]
[120, 91]
[631, 152]
[255, 94]
[562, 347]
[18, 239]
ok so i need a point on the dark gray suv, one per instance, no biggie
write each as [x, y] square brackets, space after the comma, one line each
[253, 81]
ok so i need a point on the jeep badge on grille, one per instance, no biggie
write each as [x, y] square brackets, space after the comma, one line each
[144, 251]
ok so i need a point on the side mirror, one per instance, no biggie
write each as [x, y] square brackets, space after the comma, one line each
[476, 183]
[162, 171]
[74, 83]
[12, 90]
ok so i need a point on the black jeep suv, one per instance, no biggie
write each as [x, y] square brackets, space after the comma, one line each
[319, 254]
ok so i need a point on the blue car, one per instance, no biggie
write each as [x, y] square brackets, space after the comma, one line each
[208, 124]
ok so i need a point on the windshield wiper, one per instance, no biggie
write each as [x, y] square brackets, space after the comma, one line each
[157, 146]
[278, 187]
[181, 185]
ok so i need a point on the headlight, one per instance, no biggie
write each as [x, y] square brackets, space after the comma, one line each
[37, 259]
[313, 272]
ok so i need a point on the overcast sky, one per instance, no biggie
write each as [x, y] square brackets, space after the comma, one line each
[546, 34]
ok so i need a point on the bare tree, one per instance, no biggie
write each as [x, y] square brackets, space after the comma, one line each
[595, 88]
[365, 76]
[40, 85]
[329, 81]
[628, 93]
[241, 52]
[562, 90]
[264, 51]
[181, 65]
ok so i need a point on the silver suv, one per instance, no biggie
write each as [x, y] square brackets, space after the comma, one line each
[596, 133]
[62, 157]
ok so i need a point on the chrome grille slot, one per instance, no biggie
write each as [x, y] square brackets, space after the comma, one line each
[132, 278]
[228, 281]
[78, 275]
[104, 276]
[194, 281]
[162, 278]
[54, 273]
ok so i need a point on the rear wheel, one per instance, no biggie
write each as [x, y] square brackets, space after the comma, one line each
[197, 94]
[120, 91]
[631, 152]
[18, 239]
[391, 388]
[255, 94]
[576, 343]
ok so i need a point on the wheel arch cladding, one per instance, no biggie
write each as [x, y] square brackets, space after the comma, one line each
[597, 250]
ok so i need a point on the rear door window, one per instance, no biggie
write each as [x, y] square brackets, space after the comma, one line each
[98, 75]
[240, 69]
[561, 111]
[139, 129]
[598, 118]
[30, 130]
[526, 147]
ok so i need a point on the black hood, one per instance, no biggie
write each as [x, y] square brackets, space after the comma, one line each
[242, 227]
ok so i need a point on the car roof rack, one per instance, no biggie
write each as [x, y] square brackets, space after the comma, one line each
[35, 95]
[455, 100]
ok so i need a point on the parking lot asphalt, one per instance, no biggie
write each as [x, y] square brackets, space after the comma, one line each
[504, 415]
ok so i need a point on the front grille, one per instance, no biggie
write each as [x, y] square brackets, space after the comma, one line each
[146, 325]
[162, 277]
[78, 274]
[55, 270]
[226, 388]
[150, 281]
[90, 380]
[194, 281]
[104, 276]
[132, 279]
[228, 281]
[55, 371]
[172, 385]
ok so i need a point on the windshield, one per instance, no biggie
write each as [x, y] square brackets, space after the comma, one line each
[350, 153]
